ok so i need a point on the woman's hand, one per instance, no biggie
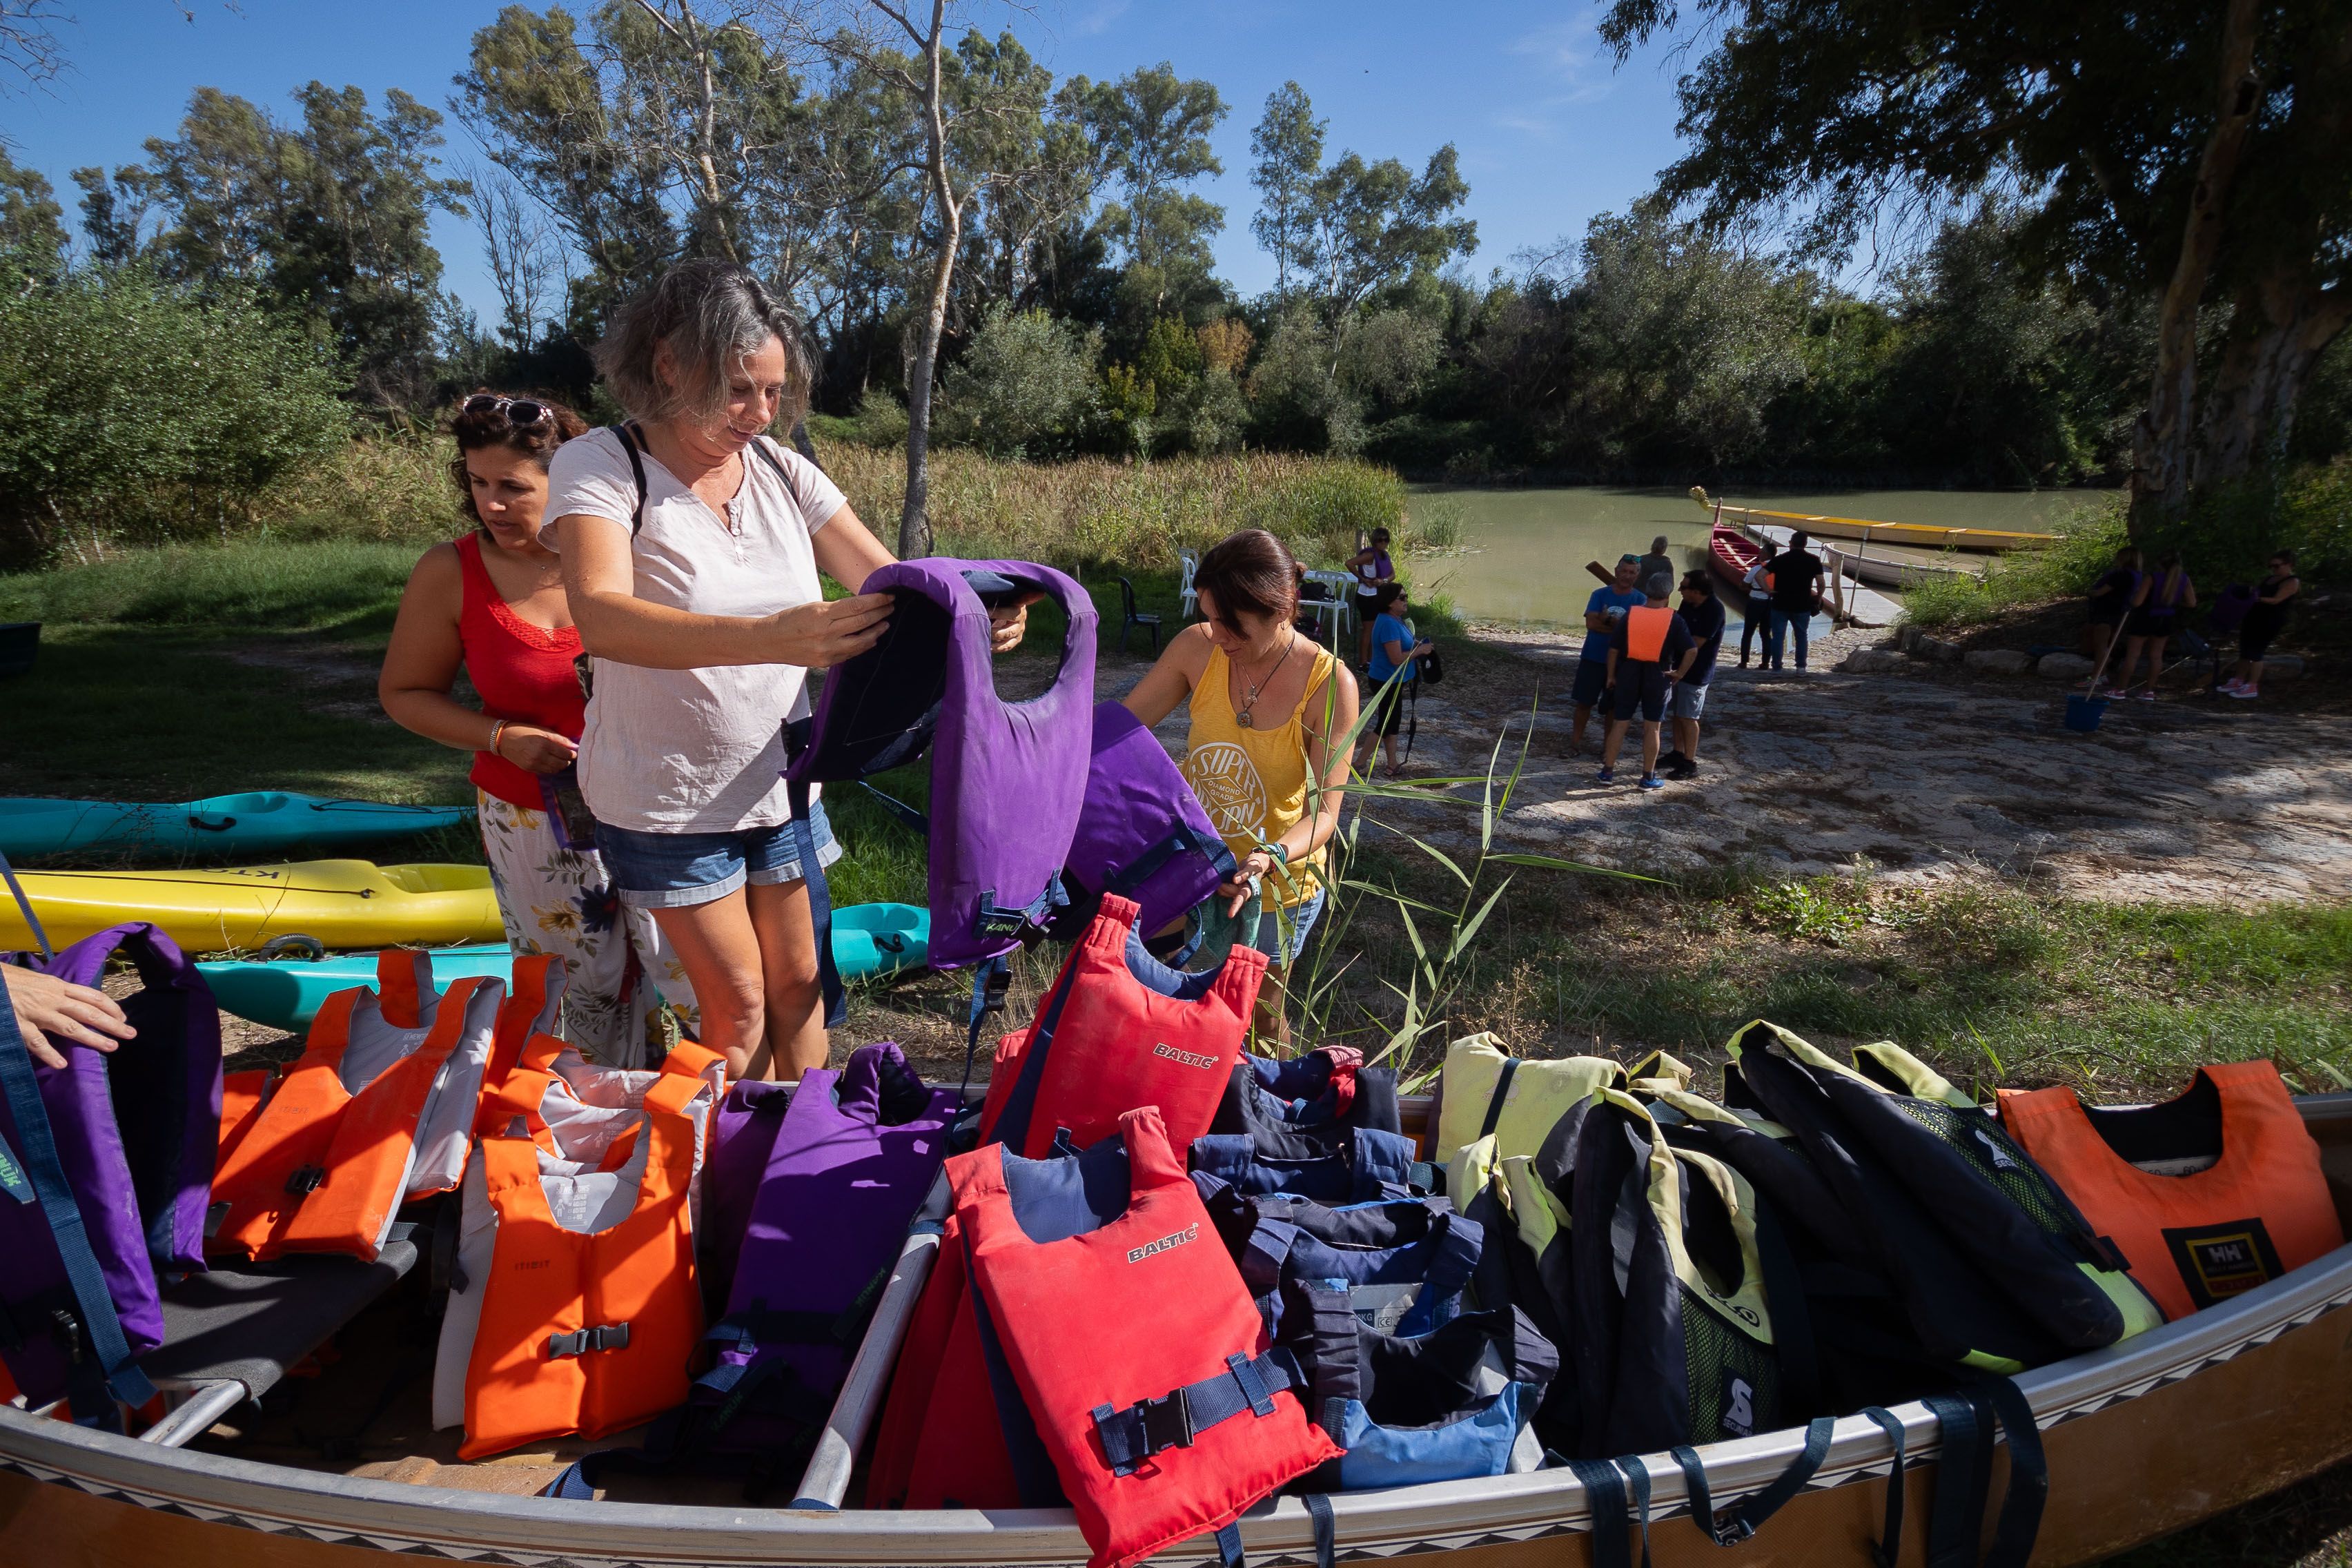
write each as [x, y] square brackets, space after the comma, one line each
[1256, 866]
[45, 1006]
[535, 750]
[820, 636]
[1008, 624]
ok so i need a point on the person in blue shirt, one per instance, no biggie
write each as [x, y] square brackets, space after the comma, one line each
[1703, 614]
[1604, 612]
[1394, 649]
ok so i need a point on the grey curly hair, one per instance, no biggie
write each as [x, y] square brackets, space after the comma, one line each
[713, 315]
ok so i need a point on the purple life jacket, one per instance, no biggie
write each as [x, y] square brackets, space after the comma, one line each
[1142, 833]
[854, 1155]
[742, 1137]
[1007, 778]
[133, 1134]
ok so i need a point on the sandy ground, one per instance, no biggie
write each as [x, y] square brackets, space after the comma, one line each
[1925, 773]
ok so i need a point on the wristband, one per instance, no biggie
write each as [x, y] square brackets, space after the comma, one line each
[497, 731]
[1281, 856]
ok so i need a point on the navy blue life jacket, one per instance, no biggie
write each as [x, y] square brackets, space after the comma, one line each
[1405, 1264]
[1333, 1163]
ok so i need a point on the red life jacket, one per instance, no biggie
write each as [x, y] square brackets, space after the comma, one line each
[327, 1162]
[1646, 632]
[1121, 1030]
[2198, 1238]
[1136, 1350]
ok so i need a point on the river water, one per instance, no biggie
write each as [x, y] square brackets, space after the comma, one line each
[1524, 551]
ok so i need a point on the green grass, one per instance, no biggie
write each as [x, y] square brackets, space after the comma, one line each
[249, 584]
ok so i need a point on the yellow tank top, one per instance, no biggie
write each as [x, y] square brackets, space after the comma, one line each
[1254, 780]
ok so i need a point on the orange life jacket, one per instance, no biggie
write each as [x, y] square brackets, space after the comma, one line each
[577, 1111]
[243, 1094]
[2198, 1239]
[1646, 632]
[579, 1330]
[327, 1164]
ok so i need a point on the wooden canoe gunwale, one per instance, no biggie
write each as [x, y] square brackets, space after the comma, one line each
[472, 1526]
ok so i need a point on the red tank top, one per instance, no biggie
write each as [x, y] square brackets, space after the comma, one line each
[523, 672]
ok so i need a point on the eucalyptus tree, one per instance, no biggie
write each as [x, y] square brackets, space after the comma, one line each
[2196, 153]
[1287, 143]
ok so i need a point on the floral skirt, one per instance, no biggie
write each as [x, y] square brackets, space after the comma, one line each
[618, 971]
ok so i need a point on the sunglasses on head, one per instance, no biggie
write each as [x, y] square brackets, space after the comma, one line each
[522, 413]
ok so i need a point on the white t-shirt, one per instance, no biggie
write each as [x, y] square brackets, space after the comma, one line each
[696, 751]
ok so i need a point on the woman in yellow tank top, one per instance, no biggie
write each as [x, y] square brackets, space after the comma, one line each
[1268, 709]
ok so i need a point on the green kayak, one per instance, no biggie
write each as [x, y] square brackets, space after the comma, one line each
[261, 823]
[868, 941]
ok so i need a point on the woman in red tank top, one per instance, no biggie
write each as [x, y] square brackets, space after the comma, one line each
[494, 603]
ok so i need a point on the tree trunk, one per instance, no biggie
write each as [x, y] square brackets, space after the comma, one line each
[2162, 438]
[2277, 333]
[914, 517]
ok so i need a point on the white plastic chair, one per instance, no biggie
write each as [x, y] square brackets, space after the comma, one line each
[1186, 599]
[1338, 605]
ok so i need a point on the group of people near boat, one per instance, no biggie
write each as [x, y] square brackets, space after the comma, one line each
[639, 609]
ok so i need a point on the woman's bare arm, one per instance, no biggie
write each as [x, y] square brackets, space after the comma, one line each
[600, 581]
[1171, 676]
[420, 664]
[847, 551]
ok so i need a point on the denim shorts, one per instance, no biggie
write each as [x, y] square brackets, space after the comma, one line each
[1301, 918]
[1688, 701]
[677, 870]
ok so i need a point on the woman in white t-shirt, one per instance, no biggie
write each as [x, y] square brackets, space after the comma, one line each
[697, 600]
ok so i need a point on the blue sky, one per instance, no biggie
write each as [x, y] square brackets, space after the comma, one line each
[1549, 132]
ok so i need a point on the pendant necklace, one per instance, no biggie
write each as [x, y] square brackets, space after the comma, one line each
[1250, 689]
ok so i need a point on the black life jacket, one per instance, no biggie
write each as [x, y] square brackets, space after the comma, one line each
[1995, 1267]
[1678, 1337]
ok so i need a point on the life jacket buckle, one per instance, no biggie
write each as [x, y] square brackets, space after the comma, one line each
[602, 1337]
[1167, 1422]
[1729, 1534]
[304, 1180]
[69, 1332]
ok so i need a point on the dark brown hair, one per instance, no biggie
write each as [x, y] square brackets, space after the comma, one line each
[492, 427]
[1250, 573]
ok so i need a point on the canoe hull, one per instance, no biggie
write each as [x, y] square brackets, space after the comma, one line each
[1917, 535]
[344, 903]
[2145, 1439]
[269, 822]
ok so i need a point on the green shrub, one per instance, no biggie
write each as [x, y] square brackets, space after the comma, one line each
[2086, 546]
[132, 409]
[1025, 388]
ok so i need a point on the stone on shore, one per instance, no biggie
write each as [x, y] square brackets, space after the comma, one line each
[1871, 661]
[2064, 667]
[1935, 650]
[1997, 661]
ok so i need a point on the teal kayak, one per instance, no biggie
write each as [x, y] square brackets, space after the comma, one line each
[264, 822]
[868, 941]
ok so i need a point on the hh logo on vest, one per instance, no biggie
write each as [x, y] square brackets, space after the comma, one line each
[2219, 1261]
[1138, 1254]
[1187, 1059]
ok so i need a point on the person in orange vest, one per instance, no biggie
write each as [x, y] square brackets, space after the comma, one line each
[1649, 651]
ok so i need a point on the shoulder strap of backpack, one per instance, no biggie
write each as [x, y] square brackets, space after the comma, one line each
[632, 442]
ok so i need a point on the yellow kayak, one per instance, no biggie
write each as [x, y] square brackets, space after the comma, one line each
[1924, 536]
[342, 903]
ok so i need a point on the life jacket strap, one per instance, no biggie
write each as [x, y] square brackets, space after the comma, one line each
[602, 1337]
[1888, 1551]
[1176, 1419]
[989, 983]
[1327, 1528]
[1742, 1522]
[1502, 1092]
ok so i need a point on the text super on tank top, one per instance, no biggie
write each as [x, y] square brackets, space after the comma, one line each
[1252, 778]
[522, 671]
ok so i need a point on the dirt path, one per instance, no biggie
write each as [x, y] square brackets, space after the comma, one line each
[1925, 775]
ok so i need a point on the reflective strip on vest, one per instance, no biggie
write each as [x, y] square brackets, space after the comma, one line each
[581, 1330]
[1098, 1324]
[2201, 1238]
